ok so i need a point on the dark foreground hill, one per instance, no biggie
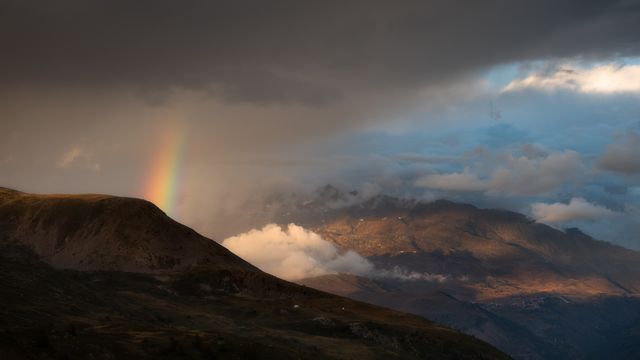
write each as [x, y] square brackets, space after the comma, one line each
[152, 288]
[99, 232]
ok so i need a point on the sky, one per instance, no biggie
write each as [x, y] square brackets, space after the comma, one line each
[206, 107]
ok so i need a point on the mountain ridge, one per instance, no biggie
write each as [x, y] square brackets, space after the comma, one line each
[490, 240]
[77, 231]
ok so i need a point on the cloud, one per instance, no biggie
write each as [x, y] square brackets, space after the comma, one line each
[292, 52]
[264, 87]
[294, 253]
[602, 79]
[513, 175]
[576, 209]
[533, 151]
[427, 159]
[77, 154]
[402, 274]
[623, 156]
[67, 158]
[521, 175]
[464, 181]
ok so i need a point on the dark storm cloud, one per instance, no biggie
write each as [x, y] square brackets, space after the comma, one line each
[309, 52]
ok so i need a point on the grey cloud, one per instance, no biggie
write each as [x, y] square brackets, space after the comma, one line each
[512, 175]
[526, 176]
[428, 159]
[623, 156]
[533, 151]
[289, 51]
[462, 181]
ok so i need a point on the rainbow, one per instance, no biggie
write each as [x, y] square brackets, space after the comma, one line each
[163, 179]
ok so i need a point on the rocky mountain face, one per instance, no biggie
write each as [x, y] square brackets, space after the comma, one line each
[93, 276]
[495, 253]
[533, 291]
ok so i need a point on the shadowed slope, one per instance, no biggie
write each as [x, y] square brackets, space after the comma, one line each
[99, 232]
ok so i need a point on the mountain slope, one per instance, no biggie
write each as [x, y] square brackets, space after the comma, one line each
[498, 253]
[152, 288]
[531, 290]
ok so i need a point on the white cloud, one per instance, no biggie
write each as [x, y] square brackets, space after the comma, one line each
[576, 209]
[602, 79]
[294, 253]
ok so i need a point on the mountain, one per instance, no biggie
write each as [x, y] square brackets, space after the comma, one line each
[95, 276]
[531, 290]
[98, 232]
[497, 253]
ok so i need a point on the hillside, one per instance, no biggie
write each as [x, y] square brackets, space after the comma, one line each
[93, 276]
[98, 232]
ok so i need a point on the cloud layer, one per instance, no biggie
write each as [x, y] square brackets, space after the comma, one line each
[512, 175]
[287, 51]
[294, 253]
